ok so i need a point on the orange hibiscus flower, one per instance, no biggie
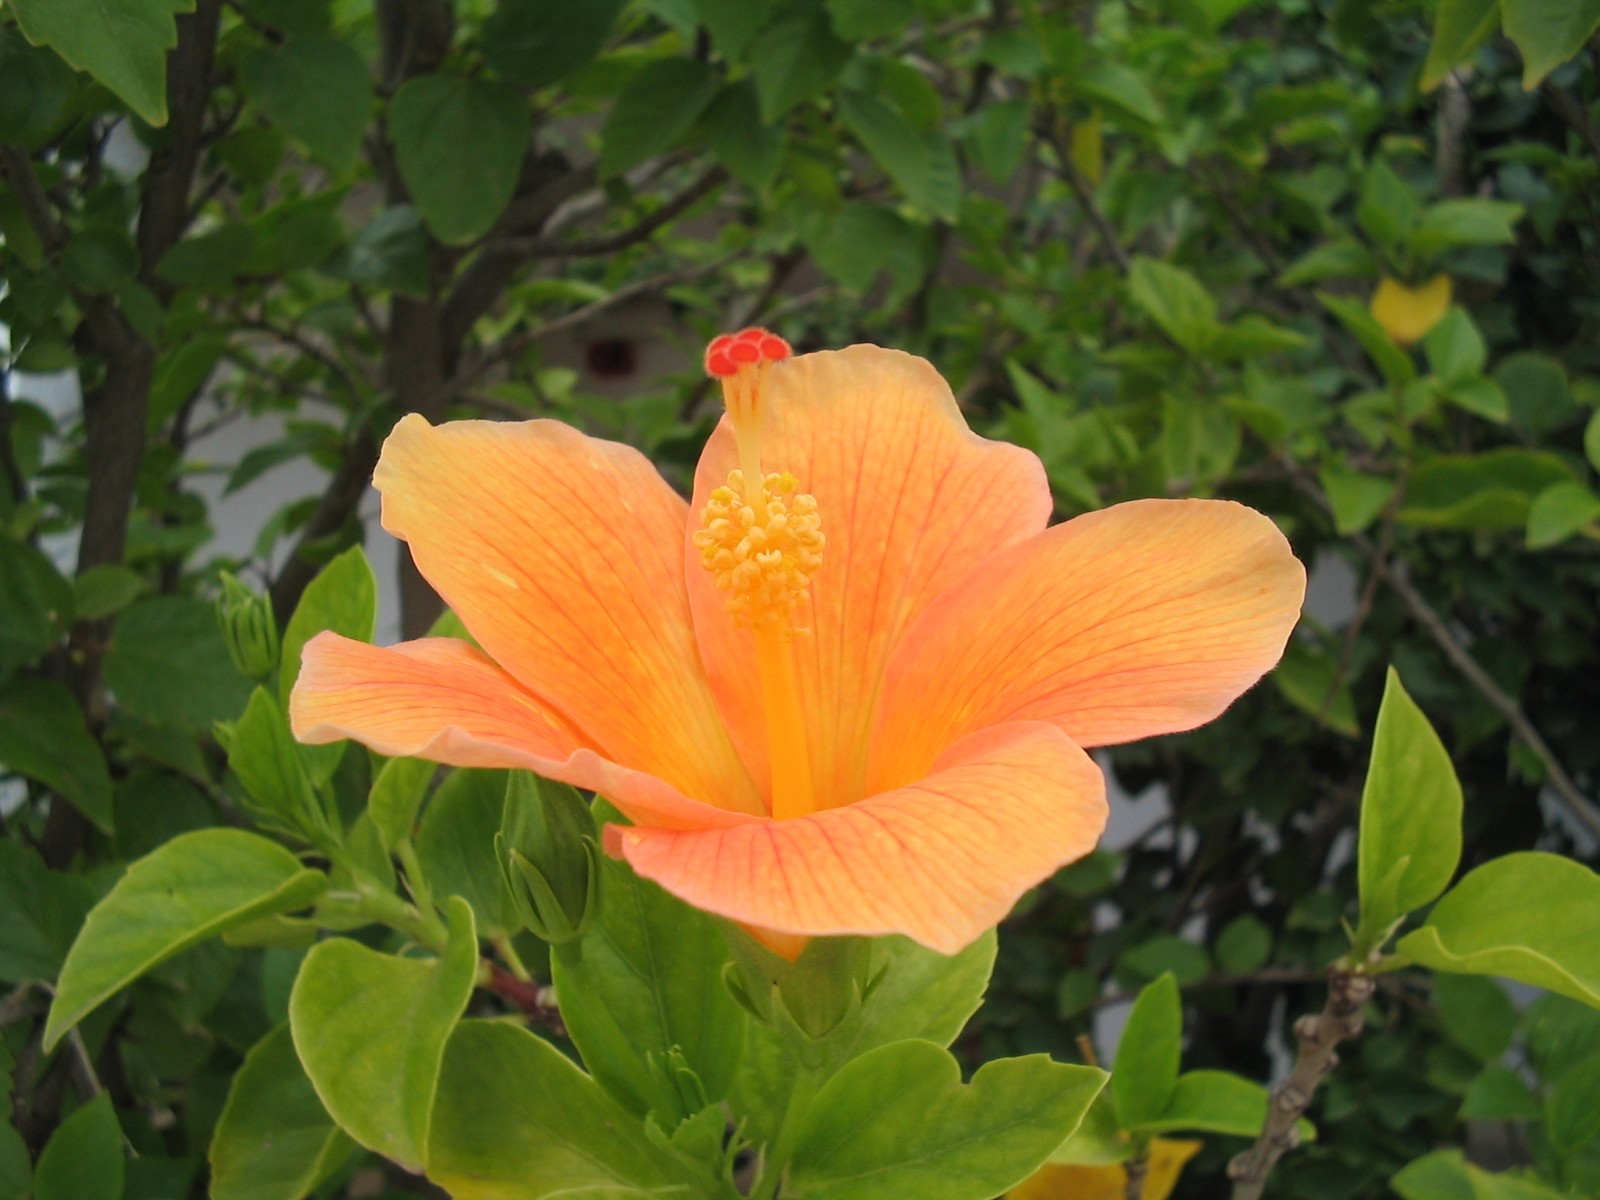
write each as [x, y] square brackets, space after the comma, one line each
[847, 691]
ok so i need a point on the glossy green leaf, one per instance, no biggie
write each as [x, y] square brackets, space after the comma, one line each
[344, 598]
[268, 761]
[536, 43]
[274, 1140]
[35, 91]
[35, 604]
[43, 912]
[455, 845]
[794, 60]
[921, 163]
[152, 635]
[371, 1028]
[1572, 1107]
[660, 103]
[516, 1120]
[1342, 259]
[317, 90]
[193, 888]
[899, 1122]
[1476, 1014]
[83, 1159]
[1548, 32]
[1452, 224]
[1446, 1175]
[1560, 511]
[1146, 1067]
[1216, 1102]
[43, 736]
[1357, 498]
[1459, 28]
[1529, 916]
[1175, 300]
[459, 142]
[122, 43]
[1494, 490]
[396, 798]
[1410, 816]
[647, 976]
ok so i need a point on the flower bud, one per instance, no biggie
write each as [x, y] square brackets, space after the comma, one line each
[248, 627]
[549, 856]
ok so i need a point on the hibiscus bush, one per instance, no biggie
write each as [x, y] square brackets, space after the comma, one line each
[672, 861]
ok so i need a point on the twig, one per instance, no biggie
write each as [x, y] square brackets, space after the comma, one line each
[541, 247]
[1319, 1033]
[535, 1002]
[1455, 111]
[1085, 195]
[1136, 1168]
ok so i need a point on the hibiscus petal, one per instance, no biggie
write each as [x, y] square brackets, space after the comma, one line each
[910, 499]
[939, 860]
[561, 553]
[444, 700]
[1145, 618]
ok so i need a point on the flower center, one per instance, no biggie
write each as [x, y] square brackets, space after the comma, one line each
[762, 541]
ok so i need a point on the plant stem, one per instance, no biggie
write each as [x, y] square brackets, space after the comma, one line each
[1348, 989]
[807, 1082]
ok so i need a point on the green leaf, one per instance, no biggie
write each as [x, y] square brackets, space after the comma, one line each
[274, 1140]
[1146, 1067]
[1120, 88]
[1410, 817]
[1342, 259]
[1216, 1102]
[152, 635]
[83, 1158]
[1455, 348]
[99, 260]
[318, 90]
[43, 736]
[1481, 396]
[344, 598]
[997, 135]
[1175, 300]
[36, 90]
[1547, 32]
[266, 758]
[396, 798]
[35, 604]
[1497, 1094]
[1572, 1107]
[732, 23]
[456, 847]
[1446, 1175]
[1476, 1014]
[1540, 393]
[1560, 511]
[104, 591]
[1530, 916]
[44, 910]
[1451, 224]
[749, 149]
[16, 1172]
[899, 1122]
[1244, 944]
[647, 977]
[1310, 678]
[922, 163]
[516, 1120]
[658, 105]
[389, 251]
[371, 1029]
[794, 60]
[862, 20]
[195, 887]
[1357, 499]
[459, 143]
[1480, 491]
[122, 43]
[1392, 362]
[1387, 207]
[1591, 440]
[1459, 28]
[536, 43]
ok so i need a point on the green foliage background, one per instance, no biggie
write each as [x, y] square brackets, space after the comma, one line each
[1139, 237]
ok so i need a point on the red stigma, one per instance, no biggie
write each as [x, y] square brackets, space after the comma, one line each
[729, 352]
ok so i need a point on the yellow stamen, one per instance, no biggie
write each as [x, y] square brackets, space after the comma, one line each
[762, 540]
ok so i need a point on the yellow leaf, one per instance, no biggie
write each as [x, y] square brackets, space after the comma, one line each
[1076, 1182]
[1089, 148]
[1407, 313]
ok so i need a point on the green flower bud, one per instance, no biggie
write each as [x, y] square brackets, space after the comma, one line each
[249, 628]
[816, 997]
[549, 856]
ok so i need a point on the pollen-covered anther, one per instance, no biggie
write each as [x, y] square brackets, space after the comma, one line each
[763, 557]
